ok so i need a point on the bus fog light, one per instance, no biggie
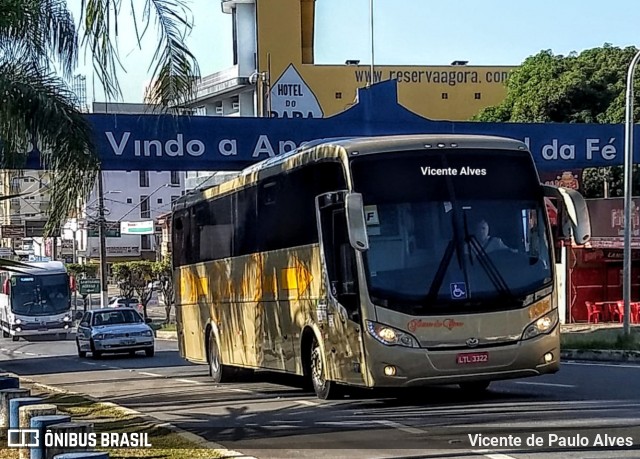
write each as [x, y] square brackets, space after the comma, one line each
[18, 329]
[548, 357]
[66, 327]
[390, 370]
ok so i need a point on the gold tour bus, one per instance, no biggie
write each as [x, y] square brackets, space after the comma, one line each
[390, 261]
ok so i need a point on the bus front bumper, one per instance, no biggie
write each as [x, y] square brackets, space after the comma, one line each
[419, 367]
[30, 329]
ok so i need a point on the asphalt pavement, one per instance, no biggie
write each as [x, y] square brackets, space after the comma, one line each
[269, 416]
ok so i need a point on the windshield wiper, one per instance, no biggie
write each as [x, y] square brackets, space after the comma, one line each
[442, 269]
[489, 267]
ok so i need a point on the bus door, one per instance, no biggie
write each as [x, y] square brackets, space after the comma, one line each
[343, 347]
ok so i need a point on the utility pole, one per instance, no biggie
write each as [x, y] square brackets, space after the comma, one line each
[628, 195]
[104, 297]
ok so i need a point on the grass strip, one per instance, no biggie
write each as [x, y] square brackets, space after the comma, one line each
[166, 443]
[602, 339]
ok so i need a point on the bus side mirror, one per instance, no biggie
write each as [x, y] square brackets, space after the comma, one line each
[356, 224]
[572, 212]
[6, 287]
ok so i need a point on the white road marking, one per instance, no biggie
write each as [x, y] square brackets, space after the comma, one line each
[306, 403]
[17, 352]
[544, 384]
[242, 391]
[30, 353]
[89, 363]
[189, 381]
[637, 367]
[485, 452]
[395, 425]
[150, 374]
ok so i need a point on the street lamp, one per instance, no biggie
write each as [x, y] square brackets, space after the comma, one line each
[628, 194]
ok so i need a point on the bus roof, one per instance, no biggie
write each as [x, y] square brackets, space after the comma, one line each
[340, 148]
[39, 267]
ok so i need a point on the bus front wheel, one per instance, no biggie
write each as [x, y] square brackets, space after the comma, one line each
[324, 389]
[15, 338]
[218, 372]
[5, 334]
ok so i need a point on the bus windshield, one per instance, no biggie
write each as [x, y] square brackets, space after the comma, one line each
[40, 295]
[462, 231]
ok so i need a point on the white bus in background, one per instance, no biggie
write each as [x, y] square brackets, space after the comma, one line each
[35, 300]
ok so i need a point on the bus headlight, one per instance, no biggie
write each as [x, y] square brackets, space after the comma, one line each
[390, 336]
[17, 321]
[66, 319]
[541, 325]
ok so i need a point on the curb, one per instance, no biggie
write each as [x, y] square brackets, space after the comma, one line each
[216, 448]
[601, 355]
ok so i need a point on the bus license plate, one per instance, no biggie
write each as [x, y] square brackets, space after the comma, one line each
[472, 357]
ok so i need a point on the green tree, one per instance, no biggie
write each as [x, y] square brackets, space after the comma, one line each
[163, 272]
[77, 270]
[579, 88]
[134, 277]
[39, 48]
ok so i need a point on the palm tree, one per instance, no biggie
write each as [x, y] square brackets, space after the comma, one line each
[39, 49]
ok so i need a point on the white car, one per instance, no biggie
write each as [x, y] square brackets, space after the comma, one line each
[113, 330]
[120, 301]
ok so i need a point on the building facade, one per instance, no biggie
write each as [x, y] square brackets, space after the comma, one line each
[274, 73]
[22, 218]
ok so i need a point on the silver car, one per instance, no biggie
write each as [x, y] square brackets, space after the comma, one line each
[112, 330]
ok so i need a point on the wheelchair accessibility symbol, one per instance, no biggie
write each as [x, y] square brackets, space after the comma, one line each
[458, 290]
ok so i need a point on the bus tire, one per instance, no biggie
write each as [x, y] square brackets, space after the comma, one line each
[219, 373]
[324, 389]
[15, 338]
[475, 387]
[5, 334]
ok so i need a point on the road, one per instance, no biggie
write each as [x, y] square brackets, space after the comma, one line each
[265, 418]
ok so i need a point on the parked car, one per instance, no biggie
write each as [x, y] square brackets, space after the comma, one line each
[113, 330]
[119, 301]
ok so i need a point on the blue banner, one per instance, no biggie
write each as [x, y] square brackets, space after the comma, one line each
[198, 143]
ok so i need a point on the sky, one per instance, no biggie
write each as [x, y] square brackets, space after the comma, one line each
[406, 32]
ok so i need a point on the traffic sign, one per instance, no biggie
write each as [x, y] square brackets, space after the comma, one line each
[87, 286]
[112, 229]
[9, 231]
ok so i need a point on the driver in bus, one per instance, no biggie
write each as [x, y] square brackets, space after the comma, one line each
[487, 242]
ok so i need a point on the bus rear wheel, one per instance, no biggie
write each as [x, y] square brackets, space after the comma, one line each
[219, 373]
[324, 389]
